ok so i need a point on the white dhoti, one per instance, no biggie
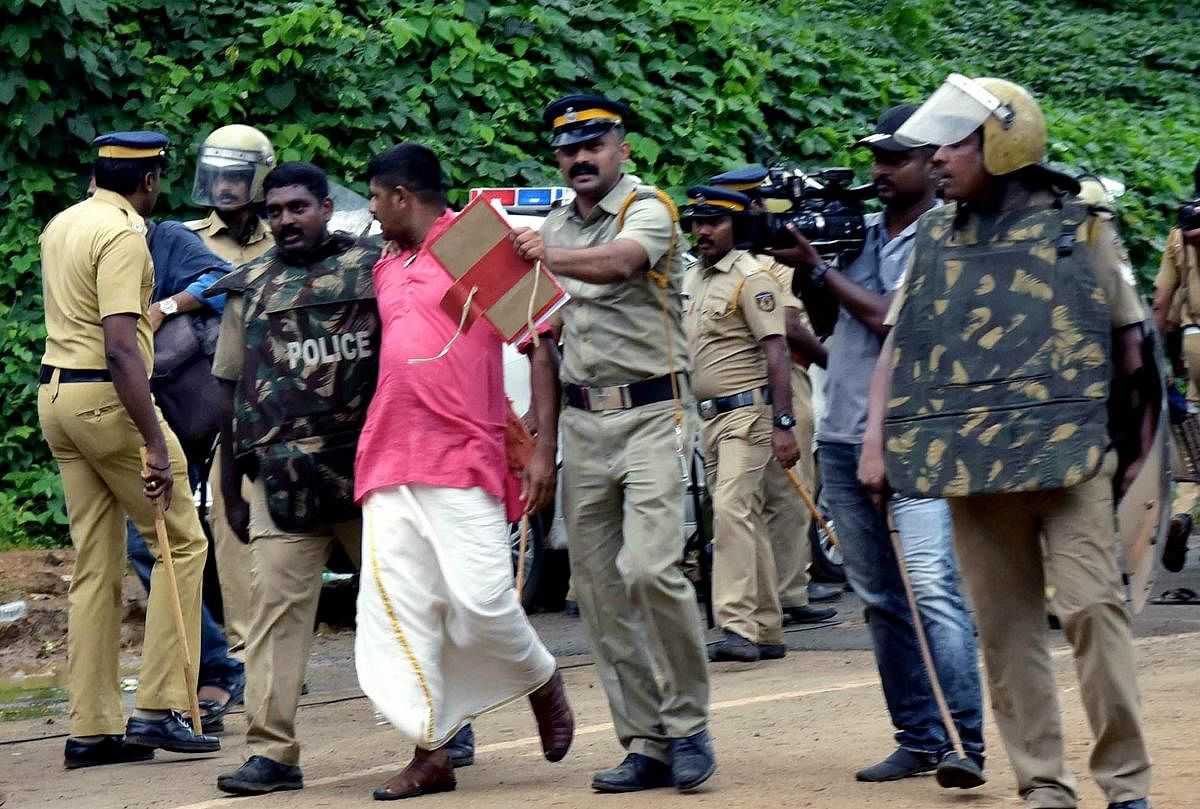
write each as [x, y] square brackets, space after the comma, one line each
[441, 634]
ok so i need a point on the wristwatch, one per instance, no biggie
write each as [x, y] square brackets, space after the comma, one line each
[168, 306]
[817, 274]
[784, 421]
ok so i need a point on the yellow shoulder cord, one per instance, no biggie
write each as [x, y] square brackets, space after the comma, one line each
[663, 282]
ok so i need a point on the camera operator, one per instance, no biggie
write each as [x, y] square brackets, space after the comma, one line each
[904, 183]
[1177, 308]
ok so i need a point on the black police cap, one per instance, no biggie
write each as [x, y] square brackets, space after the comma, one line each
[747, 180]
[131, 145]
[576, 118]
[710, 202]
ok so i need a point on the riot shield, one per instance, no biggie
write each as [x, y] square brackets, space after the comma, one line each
[1144, 511]
[351, 212]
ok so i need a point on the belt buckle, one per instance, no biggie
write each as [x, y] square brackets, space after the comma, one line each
[708, 409]
[613, 397]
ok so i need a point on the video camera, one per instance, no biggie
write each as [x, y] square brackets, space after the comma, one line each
[1189, 215]
[823, 207]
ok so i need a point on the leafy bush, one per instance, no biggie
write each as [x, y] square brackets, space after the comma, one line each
[714, 84]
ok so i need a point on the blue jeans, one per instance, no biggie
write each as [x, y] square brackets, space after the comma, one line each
[872, 571]
[216, 666]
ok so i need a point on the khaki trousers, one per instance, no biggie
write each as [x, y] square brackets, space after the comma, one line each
[285, 586]
[623, 503]
[1187, 495]
[96, 445]
[737, 452]
[786, 516]
[998, 545]
[233, 567]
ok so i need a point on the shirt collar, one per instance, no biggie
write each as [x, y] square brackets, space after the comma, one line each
[725, 264]
[216, 224]
[118, 201]
[436, 229]
[612, 201]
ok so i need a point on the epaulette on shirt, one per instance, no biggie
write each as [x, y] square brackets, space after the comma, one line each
[195, 225]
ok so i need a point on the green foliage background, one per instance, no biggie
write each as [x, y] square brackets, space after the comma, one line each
[715, 83]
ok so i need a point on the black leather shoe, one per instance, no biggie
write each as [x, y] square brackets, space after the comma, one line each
[900, 764]
[260, 775]
[171, 733]
[823, 592]
[105, 750]
[635, 773]
[959, 773]
[692, 761]
[1175, 549]
[807, 615]
[735, 647]
[461, 747]
[771, 651]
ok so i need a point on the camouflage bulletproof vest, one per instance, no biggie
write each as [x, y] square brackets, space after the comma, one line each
[1001, 369]
[312, 341]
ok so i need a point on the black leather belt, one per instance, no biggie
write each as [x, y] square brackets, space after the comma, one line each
[73, 375]
[711, 408]
[620, 397]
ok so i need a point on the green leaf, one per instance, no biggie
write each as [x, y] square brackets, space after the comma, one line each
[280, 95]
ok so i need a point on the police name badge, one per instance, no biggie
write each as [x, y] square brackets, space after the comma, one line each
[765, 301]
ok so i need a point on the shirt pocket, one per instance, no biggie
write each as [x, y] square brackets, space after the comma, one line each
[719, 307]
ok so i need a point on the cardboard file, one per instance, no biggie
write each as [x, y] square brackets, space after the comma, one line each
[490, 280]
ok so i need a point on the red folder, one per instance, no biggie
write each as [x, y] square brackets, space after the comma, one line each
[507, 291]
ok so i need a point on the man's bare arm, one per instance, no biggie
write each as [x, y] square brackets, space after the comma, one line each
[131, 379]
[801, 339]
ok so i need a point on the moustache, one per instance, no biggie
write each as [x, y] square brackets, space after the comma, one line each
[287, 232]
[580, 169]
[704, 242]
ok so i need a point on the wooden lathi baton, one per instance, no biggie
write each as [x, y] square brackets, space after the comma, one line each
[922, 641]
[807, 497]
[521, 547]
[164, 552]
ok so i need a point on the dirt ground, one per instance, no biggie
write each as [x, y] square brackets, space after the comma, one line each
[37, 644]
[787, 733]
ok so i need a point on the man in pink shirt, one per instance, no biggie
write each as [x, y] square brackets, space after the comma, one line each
[441, 634]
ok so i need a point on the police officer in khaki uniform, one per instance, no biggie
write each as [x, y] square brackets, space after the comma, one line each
[788, 518]
[627, 436]
[735, 331]
[96, 413]
[1009, 418]
[232, 163]
[1177, 309]
[294, 411]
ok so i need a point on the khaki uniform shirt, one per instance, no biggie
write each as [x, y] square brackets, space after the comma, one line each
[227, 362]
[1179, 275]
[731, 307]
[95, 263]
[614, 334]
[218, 238]
[1109, 260]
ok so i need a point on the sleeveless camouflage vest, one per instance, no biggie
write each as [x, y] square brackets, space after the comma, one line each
[1001, 370]
[312, 341]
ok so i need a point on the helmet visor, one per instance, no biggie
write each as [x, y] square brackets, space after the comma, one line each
[227, 178]
[954, 111]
